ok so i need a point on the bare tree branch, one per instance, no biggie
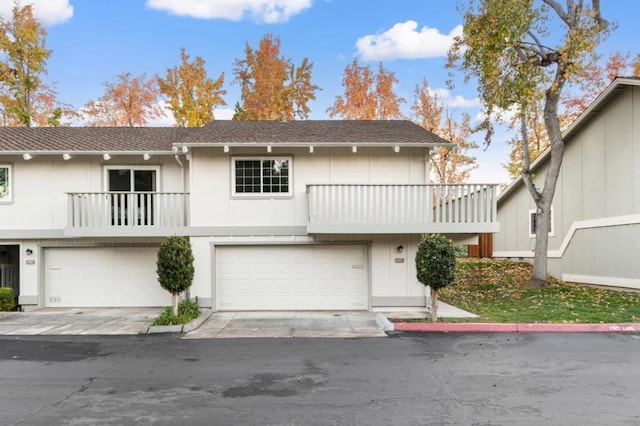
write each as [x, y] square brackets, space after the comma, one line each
[558, 9]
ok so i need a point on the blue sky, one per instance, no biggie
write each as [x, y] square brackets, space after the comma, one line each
[94, 40]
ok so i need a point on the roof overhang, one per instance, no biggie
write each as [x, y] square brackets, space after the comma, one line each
[618, 84]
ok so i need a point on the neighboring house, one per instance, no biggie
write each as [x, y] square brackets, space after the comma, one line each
[595, 225]
[280, 215]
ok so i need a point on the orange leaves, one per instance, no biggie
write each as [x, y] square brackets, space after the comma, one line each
[367, 96]
[191, 94]
[127, 102]
[449, 165]
[272, 88]
[24, 58]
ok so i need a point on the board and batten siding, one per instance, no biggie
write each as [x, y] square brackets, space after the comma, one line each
[212, 203]
[40, 186]
[596, 205]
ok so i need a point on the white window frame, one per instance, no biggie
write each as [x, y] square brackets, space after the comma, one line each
[132, 168]
[8, 198]
[261, 194]
[531, 217]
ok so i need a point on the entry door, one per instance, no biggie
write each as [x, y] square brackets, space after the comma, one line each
[131, 196]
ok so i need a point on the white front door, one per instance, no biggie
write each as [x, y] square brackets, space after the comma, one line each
[292, 277]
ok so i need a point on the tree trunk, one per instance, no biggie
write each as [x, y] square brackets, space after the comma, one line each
[175, 299]
[539, 271]
[434, 304]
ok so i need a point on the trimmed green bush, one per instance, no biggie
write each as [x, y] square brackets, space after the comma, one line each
[187, 312]
[7, 299]
[175, 267]
[435, 265]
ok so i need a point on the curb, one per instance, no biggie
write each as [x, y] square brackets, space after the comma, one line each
[183, 328]
[516, 328]
[383, 323]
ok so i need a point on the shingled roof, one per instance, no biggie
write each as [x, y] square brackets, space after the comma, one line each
[223, 132]
[89, 139]
[307, 132]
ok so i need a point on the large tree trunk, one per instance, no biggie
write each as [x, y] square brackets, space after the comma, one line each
[434, 304]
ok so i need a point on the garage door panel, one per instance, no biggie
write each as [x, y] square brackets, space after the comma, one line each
[291, 277]
[103, 277]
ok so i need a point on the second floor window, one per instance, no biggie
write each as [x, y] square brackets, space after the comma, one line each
[269, 176]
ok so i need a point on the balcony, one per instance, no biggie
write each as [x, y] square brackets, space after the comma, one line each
[127, 213]
[402, 209]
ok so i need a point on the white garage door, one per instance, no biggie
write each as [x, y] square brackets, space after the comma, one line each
[103, 277]
[302, 277]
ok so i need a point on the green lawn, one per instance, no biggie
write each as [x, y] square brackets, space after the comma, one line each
[497, 291]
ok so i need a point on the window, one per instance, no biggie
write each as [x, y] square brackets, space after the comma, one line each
[268, 176]
[131, 195]
[532, 223]
[6, 189]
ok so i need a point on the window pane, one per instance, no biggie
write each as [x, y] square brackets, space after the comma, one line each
[120, 180]
[144, 180]
[5, 184]
[275, 176]
[247, 176]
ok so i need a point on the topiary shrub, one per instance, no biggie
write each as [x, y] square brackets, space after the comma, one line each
[435, 266]
[7, 299]
[175, 267]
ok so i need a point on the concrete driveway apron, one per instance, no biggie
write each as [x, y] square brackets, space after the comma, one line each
[79, 321]
[339, 324]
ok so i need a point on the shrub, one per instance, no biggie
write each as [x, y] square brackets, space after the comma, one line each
[175, 267]
[435, 265]
[187, 311]
[7, 299]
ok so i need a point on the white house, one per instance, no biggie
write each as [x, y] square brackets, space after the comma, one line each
[280, 215]
[594, 236]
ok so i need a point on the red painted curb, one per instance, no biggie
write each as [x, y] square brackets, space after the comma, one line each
[516, 328]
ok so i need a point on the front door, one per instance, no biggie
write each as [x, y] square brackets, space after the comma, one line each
[131, 195]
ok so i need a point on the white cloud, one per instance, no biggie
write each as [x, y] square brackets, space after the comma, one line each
[404, 41]
[269, 11]
[223, 113]
[48, 12]
[457, 101]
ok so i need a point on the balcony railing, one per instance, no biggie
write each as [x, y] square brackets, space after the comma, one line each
[464, 208]
[127, 210]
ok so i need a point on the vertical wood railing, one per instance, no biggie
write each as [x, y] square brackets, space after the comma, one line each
[127, 209]
[453, 203]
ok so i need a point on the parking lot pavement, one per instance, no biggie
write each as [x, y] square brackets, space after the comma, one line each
[78, 321]
[340, 324]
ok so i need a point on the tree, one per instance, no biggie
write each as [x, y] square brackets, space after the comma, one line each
[175, 267]
[24, 58]
[192, 95]
[367, 96]
[505, 45]
[272, 88]
[127, 102]
[449, 165]
[582, 89]
[435, 266]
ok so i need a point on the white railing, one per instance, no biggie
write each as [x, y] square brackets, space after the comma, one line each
[403, 204]
[128, 209]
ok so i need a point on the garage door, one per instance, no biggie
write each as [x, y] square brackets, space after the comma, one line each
[303, 277]
[103, 277]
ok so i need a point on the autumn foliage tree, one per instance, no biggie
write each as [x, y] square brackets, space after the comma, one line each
[448, 165]
[518, 61]
[24, 99]
[271, 86]
[127, 102]
[583, 88]
[367, 95]
[192, 95]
